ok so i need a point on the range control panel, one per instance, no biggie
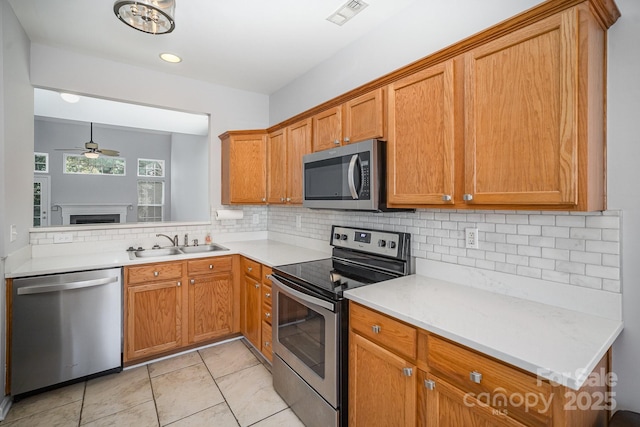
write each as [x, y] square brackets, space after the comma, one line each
[386, 243]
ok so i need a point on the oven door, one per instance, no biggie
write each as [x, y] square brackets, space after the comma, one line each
[305, 337]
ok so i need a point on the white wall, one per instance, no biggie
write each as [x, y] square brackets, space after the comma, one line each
[189, 154]
[53, 68]
[623, 155]
[417, 31]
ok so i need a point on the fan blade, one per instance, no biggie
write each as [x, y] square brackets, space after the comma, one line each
[109, 152]
[70, 149]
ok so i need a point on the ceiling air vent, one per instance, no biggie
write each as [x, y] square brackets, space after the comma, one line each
[347, 11]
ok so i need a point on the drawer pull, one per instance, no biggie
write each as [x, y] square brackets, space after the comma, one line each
[267, 343]
[267, 315]
[407, 372]
[257, 285]
[210, 266]
[179, 284]
[267, 295]
[429, 384]
[475, 376]
[193, 281]
[249, 268]
[376, 329]
[156, 273]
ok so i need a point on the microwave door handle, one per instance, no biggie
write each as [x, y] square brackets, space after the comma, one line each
[352, 183]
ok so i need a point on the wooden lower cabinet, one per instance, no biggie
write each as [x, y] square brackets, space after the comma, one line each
[172, 305]
[251, 295]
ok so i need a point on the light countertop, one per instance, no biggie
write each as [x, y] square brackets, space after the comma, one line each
[268, 252]
[555, 343]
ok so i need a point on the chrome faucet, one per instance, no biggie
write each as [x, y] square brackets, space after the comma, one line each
[174, 240]
[186, 240]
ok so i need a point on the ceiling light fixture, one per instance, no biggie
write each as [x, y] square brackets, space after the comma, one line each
[70, 97]
[347, 11]
[148, 16]
[91, 155]
[170, 57]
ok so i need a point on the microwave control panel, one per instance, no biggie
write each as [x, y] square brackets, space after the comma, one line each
[386, 243]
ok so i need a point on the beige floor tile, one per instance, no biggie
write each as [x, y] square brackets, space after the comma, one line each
[250, 394]
[174, 363]
[63, 416]
[227, 358]
[143, 415]
[45, 401]
[115, 393]
[218, 416]
[283, 418]
[184, 392]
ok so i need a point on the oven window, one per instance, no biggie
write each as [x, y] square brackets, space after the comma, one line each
[302, 331]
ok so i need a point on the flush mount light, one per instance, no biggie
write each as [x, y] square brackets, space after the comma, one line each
[170, 57]
[148, 16]
[91, 155]
[70, 97]
[347, 11]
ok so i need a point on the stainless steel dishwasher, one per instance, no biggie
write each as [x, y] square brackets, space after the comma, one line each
[65, 327]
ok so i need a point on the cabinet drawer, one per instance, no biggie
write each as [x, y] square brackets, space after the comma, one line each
[266, 294]
[252, 268]
[267, 349]
[209, 265]
[154, 272]
[266, 272]
[393, 334]
[483, 376]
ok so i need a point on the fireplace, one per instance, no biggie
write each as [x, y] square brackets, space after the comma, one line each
[106, 213]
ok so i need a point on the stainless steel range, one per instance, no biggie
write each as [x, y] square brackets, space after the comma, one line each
[310, 319]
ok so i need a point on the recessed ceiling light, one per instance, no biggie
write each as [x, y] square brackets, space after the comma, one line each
[347, 11]
[170, 57]
[70, 97]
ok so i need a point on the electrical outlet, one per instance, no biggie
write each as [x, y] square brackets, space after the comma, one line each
[471, 238]
[62, 238]
[256, 218]
[298, 221]
[13, 233]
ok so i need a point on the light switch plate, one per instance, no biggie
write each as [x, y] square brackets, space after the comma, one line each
[62, 238]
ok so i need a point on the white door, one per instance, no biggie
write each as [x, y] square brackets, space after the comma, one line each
[41, 194]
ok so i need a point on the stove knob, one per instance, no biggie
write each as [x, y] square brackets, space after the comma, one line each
[336, 236]
[343, 237]
[382, 243]
[392, 245]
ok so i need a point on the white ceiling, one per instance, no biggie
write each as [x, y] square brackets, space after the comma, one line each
[256, 45]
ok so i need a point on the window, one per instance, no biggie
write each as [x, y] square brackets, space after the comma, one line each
[103, 165]
[150, 201]
[150, 167]
[41, 162]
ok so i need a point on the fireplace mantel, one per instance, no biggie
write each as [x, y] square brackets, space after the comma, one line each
[69, 209]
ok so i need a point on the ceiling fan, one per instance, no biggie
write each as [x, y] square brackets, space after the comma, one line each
[91, 149]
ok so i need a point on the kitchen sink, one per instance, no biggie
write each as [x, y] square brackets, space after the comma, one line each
[202, 248]
[156, 252]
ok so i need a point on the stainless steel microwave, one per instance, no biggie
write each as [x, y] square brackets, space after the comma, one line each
[351, 177]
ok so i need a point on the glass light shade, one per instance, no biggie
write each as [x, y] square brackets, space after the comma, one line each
[149, 16]
[70, 97]
[170, 57]
[91, 155]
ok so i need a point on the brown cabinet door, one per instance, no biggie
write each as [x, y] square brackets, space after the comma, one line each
[298, 144]
[244, 169]
[521, 140]
[277, 164]
[364, 117]
[327, 129]
[442, 405]
[382, 386]
[154, 319]
[252, 311]
[210, 307]
[421, 138]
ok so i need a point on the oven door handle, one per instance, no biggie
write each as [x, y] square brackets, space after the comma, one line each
[352, 184]
[303, 296]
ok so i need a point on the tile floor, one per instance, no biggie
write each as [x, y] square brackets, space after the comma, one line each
[224, 385]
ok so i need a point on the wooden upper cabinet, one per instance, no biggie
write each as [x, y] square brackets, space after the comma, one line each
[364, 117]
[244, 167]
[528, 97]
[298, 144]
[421, 143]
[277, 165]
[327, 129]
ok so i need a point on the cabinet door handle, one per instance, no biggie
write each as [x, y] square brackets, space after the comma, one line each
[429, 384]
[288, 199]
[282, 199]
[267, 295]
[267, 315]
[210, 266]
[467, 197]
[249, 269]
[156, 273]
[346, 139]
[179, 284]
[193, 281]
[264, 199]
[257, 285]
[475, 376]
[267, 343]
[407, 372]
[446, 198]
[376, 329]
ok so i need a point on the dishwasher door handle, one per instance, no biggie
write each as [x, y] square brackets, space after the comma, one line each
[42, 289]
